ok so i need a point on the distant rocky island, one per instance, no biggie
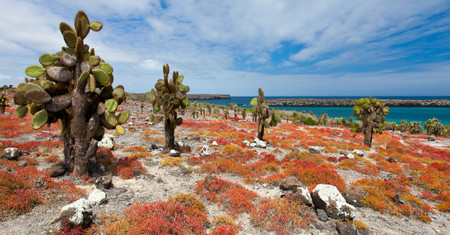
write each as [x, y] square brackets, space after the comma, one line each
[298, 102]
[208, 96]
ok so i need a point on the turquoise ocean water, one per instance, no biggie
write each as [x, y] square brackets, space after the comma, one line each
[396, 114]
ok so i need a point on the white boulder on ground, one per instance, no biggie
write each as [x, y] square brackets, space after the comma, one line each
[314, 149]
[97, 197]
[174, 153]
[106, 142]
[260, 143]
[205, 151]
[328, 198]
[11, 154]
[78, 213]
[358, 152]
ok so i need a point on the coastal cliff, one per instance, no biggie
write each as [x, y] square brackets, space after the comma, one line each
[350, 103]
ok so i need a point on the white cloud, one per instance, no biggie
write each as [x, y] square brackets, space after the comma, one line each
[151, 65]
[4, 77]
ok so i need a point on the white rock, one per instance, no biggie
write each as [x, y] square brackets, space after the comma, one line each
[246, 142]
[214, 143]
[97, 197]
[82, 215]
[314, 149]
[205, 151]
[328, 198]
[174, 153]
[358, 152]
[306, 195]
[253, 145]
[106, 142]
[350, 156]
[260, 143]
[11, 153]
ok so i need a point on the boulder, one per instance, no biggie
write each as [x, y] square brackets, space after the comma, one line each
[56, 170]
[106, 142]
[431, 138]
[290, 183]
[104, 182]
[358, 152]
[97, 197]
[246, 142]
[322, 215]
[301, 194]
[214, 143]
[78, 213]
[174, 153]
[205, 151]
[355, 195]
[350, 156]
[260, 143]
[345, 228]
[11, 154]
[328, 198]
[314, 149]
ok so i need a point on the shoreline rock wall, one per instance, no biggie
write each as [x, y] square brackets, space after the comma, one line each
[350, 103]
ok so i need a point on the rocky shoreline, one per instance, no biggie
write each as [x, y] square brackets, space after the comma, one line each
[350, 103]
[208, 96]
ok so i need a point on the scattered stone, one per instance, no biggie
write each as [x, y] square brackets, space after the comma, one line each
[329, 198]
[246, 142]
[302, 195]
[56, 170]
[318, 224]
[290, 183]
[78, 213]
[174, 153]
[314, 149]
[322, 215]
[260, 143]
[350, 156]
[404, 137]
[106, 142]
[345, 228]
[355, 195]
[391, 160]
[154, 147]
[104, 182]
[159, 180]
[399, 199]
[358, 152]
[205, 151]
[252, 145]
[11, 154]
[431, 138]
[97, 197]
[214, 143]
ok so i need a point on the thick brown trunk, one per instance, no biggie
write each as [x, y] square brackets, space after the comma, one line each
[2, 109]
[261, 131]
[368, 131]
[169, 135]
[69, 152]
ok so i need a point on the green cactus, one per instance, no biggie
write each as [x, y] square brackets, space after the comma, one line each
[435, 127]
[390, 126]
[404, 126]
[73, 88]
[324, 119]
[3, 103]
[265, 116]
[372, 113]
[167, 98]
[415, 128]
[244, 113]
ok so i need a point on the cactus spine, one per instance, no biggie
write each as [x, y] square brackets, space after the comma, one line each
[265, 116]
[73, 88]
[3, 103]
[372, 113]
[167, 98]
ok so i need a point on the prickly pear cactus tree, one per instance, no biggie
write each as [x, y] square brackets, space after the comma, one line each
[3, 103]
[415, 128]
[74, 88]
[167, 98]
[404, 126]
[372, 113]
[265, 117]
[435, 127]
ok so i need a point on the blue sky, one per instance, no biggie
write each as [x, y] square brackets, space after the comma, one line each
[286, 47]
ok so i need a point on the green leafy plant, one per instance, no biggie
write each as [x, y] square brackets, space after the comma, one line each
[167, 98]
[73, 88]
[372, 113]
[3, 103]
[265, 117]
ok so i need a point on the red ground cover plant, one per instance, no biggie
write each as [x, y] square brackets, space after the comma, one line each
[154, 218]
[234, 197]
[106, 158]
[127, 168]
[384, 197]
[22, 190]
[280, 215]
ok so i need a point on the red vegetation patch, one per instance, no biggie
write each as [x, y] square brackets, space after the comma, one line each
[234, 197]
[22, 190]
[127, 168]
[280, 215]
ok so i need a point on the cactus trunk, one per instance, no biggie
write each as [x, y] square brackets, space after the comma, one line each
[169, 135]
[2, 109]
[368, 131]
[261, 129]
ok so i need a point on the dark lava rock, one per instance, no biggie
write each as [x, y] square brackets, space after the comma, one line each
[355, 195]
[290, 183]
[56, 170]
[345, 229]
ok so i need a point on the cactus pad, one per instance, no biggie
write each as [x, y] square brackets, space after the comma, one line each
[39, 119]
[35, 71]
[59, 74]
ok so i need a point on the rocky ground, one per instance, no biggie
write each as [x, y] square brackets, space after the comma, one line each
[159, 183]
